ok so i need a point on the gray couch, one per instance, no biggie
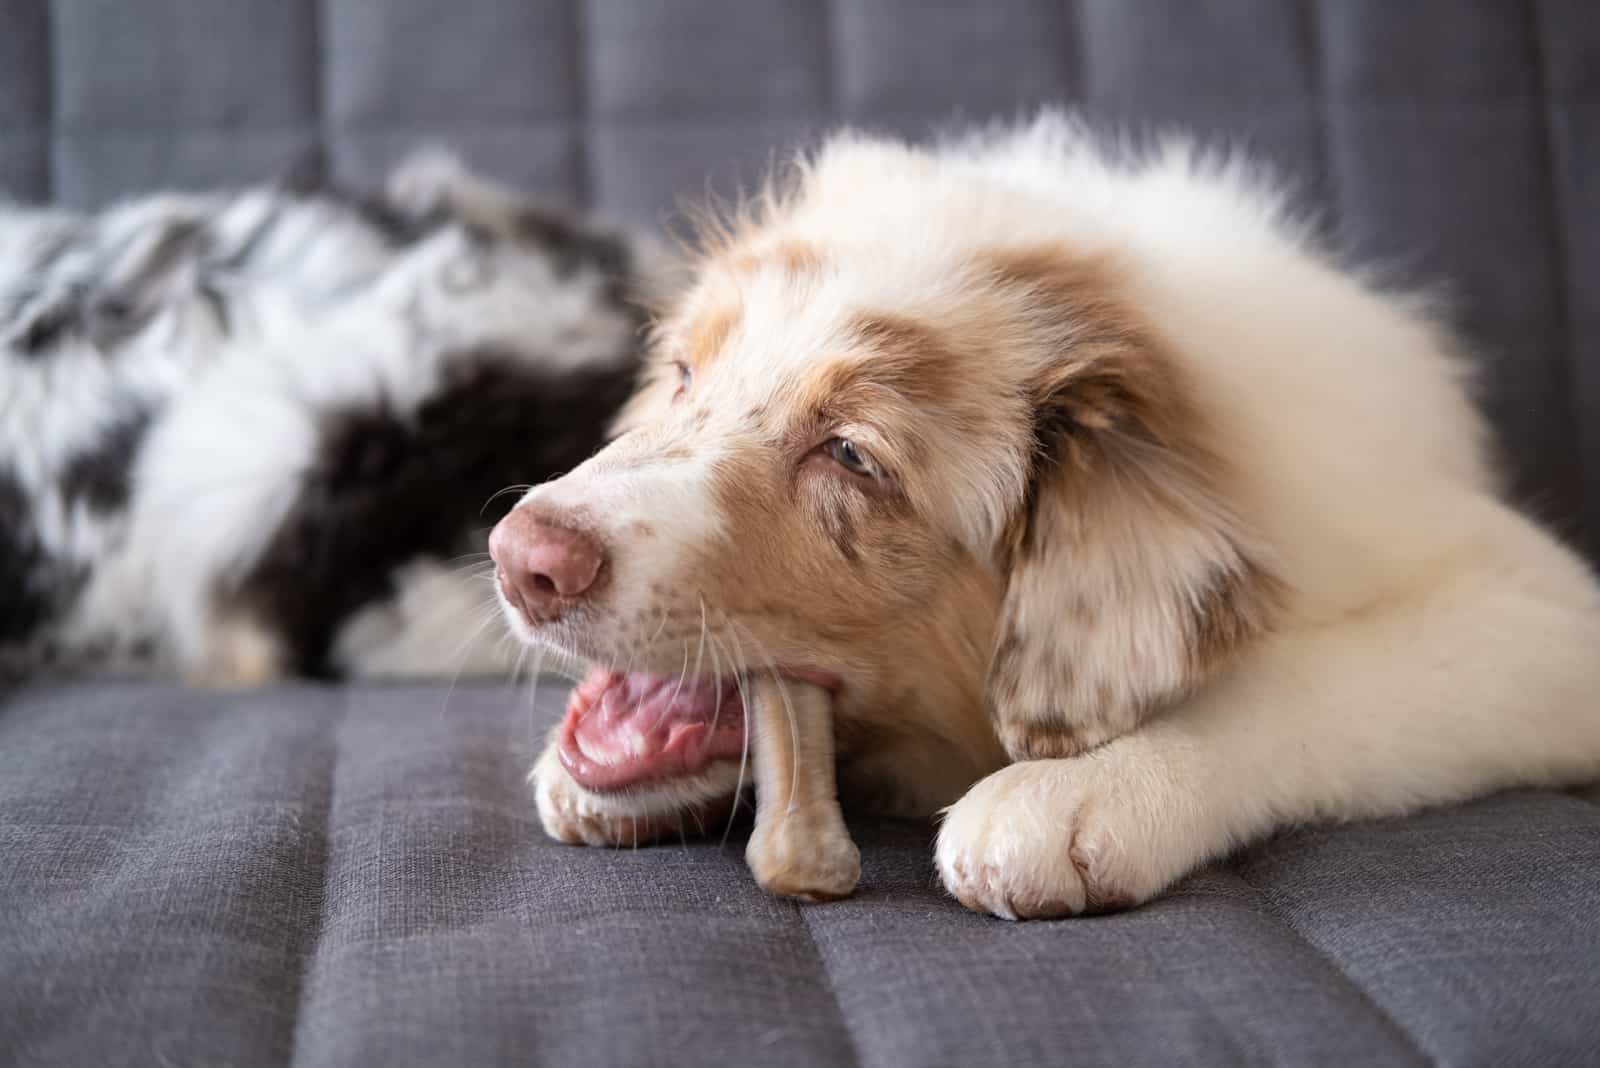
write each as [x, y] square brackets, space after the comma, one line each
[356, 876]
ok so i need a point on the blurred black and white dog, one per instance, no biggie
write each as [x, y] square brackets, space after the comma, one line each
[249, 435]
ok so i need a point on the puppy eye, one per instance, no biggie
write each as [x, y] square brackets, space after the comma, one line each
[851, 457]
[685, 376]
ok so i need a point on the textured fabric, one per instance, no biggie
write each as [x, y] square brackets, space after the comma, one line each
[324, 876]
[1452, 141]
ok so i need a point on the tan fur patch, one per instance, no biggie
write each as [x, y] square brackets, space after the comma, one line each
[900, 369]
[1131, 579]
[1109, 370]
[1240, 605]
[708, 333]
[793, 257]
[917, 360]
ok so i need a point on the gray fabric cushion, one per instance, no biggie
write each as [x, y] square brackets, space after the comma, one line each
[329, 876]
[1454, 142]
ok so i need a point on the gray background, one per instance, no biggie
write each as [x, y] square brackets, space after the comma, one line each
[1456, 141]
[356, 876]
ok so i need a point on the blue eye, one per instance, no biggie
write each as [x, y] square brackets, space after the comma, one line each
[848, 456]
[685, 376]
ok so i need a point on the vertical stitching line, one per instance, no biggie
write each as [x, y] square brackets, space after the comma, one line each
[582, 118]
[803, 914]
[52, 166]
[322, 149]
[1327, 175]
[1269, 906]
[1560, 257]
[830, 37]
[311, 940]
[1078, 55]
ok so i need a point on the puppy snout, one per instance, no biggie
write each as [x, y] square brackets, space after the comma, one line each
[543, 567]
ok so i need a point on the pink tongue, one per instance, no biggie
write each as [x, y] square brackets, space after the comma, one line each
[622, 730]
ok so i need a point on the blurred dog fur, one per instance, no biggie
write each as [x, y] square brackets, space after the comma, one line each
[1119, 521]
[252, 434]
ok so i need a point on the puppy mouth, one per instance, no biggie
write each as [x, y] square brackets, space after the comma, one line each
[625, 730]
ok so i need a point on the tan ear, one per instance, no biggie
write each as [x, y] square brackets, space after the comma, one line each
[1130, 579]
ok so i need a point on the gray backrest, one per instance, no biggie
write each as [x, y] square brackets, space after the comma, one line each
[1458, 140]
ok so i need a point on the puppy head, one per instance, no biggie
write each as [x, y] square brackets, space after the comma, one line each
[892, 442]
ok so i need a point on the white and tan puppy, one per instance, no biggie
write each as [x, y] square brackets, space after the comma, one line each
[1106, 510]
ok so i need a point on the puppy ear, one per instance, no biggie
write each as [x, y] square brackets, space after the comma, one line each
[1130, 578]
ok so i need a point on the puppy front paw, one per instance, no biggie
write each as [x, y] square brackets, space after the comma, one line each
[1052, 838]
[576, 816]
[573, 815]
[804, 854]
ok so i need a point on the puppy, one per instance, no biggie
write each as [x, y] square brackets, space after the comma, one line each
[246, 435]
[1113, 518]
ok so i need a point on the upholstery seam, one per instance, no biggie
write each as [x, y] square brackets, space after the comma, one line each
[1322, 119]
[1560, 258]
[1079, 57]
[311, 940]
[803, 913]
[581, 40]
[322, 147]
[51, 93]
[1269, 906]
[828, 26]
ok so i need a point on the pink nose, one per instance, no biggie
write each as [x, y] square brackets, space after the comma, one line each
[543, 567]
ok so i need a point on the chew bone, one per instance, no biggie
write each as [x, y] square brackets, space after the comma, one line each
[800, 846]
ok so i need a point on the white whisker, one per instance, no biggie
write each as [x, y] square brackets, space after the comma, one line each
[794, 727]
[501, 493]
[533, 696]
[489, 612]
[676, 690]
[716, 674]
[633, 654]
[700, 650]
[744, 752]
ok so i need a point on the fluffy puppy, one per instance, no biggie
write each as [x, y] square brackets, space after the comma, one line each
[1110, 512]
[245, 435]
